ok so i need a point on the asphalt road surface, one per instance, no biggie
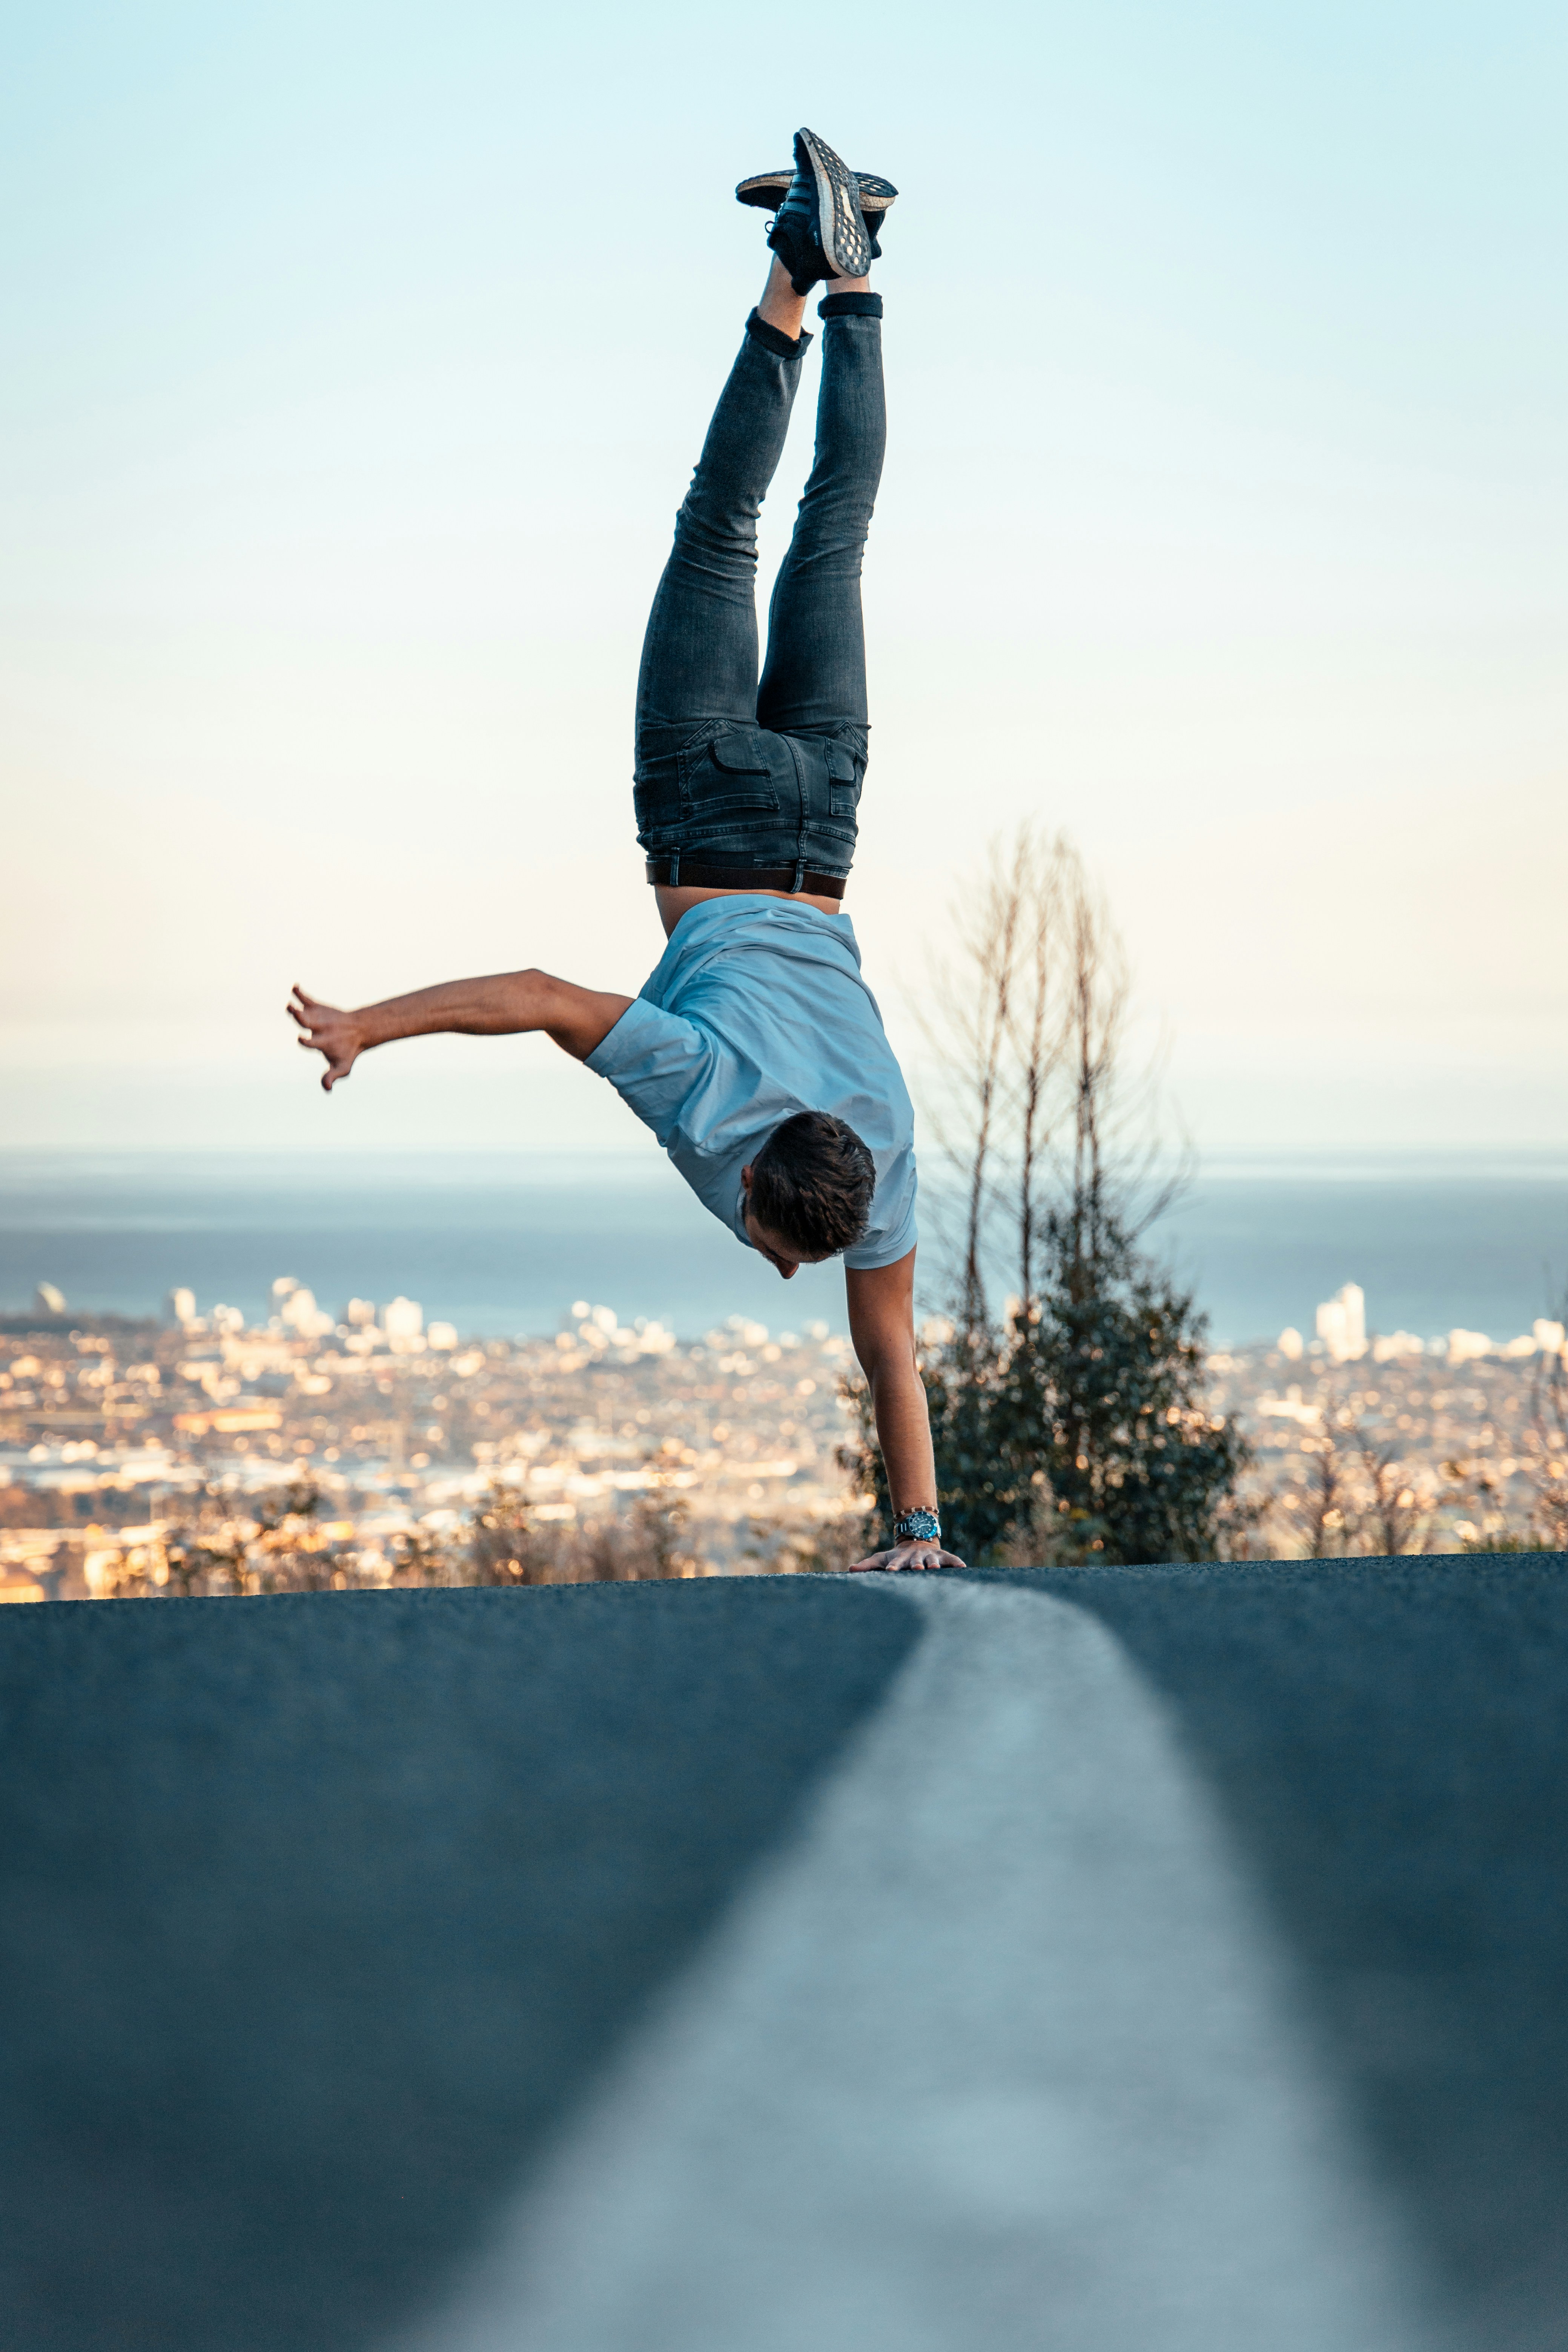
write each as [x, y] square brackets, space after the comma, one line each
[1117, 1961]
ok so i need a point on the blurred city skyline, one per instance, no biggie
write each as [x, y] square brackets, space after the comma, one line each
[356, 365]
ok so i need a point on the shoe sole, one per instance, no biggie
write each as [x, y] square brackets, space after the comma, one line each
[840, 229]
[767, 191]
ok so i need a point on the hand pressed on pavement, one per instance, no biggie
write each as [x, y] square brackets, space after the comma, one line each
[922, 1554]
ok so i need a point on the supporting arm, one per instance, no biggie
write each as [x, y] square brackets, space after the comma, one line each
[882, 1326]
[501, 1005]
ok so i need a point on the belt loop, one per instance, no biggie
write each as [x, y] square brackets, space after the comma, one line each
[674, 866]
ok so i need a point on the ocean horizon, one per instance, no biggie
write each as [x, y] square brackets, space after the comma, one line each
[504, 1243]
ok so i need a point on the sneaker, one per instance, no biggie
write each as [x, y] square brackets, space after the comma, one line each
[767, 191]
[819, 231]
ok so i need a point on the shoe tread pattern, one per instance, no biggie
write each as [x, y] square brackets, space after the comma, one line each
[767, 191]
[841, 229]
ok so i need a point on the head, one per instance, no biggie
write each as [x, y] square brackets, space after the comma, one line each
[808, 1190]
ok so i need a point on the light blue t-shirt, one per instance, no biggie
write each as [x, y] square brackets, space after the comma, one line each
[757, 1010]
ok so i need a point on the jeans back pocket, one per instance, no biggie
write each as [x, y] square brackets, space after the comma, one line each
[843, 780]
[732, 776]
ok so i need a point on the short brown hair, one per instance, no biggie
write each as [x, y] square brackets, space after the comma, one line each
[812, 1183]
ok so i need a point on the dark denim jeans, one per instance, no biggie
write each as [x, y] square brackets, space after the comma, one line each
[731, 775]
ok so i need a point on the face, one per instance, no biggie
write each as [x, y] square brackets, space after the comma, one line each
[778, 1252]
[773, 1247]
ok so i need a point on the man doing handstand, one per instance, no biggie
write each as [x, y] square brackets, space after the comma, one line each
[755, 1051]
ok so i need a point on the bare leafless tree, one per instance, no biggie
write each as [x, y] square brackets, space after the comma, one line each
[1035, 1029]
[661, 1522]
[1394, 1513]
[1328, 1500]
[971, 1036]
[1550, 1417]
[506, 1544]
[270, 1545]
[421, 1556]
[1026, 1033]
[1081, 1406]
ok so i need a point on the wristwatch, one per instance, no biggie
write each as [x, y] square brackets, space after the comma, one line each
[917, 1526]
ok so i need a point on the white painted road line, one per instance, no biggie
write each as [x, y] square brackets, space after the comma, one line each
[999, 2054]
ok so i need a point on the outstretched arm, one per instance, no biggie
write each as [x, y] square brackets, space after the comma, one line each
[882, 1326]
[578, 1019]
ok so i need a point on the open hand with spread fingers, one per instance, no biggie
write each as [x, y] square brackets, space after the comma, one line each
[924, 1554]
[328, 1031]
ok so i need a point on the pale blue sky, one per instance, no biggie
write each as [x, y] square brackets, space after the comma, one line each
[353, 364]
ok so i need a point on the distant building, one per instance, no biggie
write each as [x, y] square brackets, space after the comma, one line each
[442, 1335]
[182, 1305]
[301, 1313]
[1290, 1342]
[1395, 1344]
[402, 1319]
[1342, 1323]
[48, 1300]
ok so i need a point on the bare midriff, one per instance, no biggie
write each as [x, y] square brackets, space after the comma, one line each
[675, 897]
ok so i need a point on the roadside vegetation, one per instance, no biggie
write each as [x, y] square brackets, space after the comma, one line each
[1071, 1422]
